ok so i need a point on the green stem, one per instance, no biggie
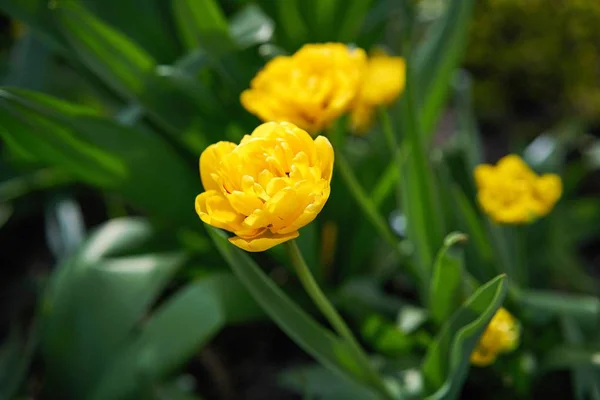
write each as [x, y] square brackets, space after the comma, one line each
[327, 309]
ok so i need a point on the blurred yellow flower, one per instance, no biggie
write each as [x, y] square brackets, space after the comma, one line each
[382, 83]
[500, 336]
[511, 193]
[310, 89]
[266, 188]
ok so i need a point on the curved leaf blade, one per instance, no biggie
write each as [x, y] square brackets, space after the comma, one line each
[445, 288]
[446, 363]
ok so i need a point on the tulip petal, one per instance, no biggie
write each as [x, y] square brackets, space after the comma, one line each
[262, 242]
[325, 155]
[214, 209]
[209, 162]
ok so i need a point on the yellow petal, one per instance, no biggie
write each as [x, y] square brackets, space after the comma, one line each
[325, 156]
[244, 203]
[483, 174]
[283, 208]
[262, 242]
[548, 188]
[209, 162]
[215, 210]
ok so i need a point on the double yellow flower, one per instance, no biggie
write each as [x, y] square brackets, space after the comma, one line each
[266, 188]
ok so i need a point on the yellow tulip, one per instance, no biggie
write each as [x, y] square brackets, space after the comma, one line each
[310, 89]
[266, 188]
[383, 81]
[511, 193]
[500, 336]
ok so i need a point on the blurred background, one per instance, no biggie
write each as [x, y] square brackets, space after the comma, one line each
[530, 67]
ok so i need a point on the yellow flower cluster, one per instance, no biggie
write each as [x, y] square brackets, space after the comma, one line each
[511, 193]
[500, 336]
[382, 83]
[266, 188]
[321, 82]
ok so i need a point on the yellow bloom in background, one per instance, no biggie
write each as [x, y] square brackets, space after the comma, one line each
[266, 188]
[500, 336]
[382, 83]
[310, 89]
[511, 193]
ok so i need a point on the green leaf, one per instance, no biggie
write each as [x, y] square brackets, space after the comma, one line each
[326, 348]
[475, 228]
[110, 54]
[420, 201]
[152, 31]
[585, 309]
[568, 357]
[437, 59]
[446, 363]
[174, 333]
[446, 283]
[95, 300]
[354, 13]
[290, 24]
[468, 133]
[136, 163]
[202, 24]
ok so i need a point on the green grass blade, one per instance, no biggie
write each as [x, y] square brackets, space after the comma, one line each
[151, 30]
[110, 54]
[202, 24]
[437, 59]
[418, 191]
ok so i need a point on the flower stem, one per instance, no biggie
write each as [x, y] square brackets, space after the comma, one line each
[327, 309]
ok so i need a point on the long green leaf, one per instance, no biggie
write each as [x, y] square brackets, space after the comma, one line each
[585, 309]
[202, 24]
[135, 163]
[109, 53]
[447, 361]
[314, 339]
[151, 30]
[445, 289]
[174, 333]
[94, 302]
[418, 191]
[437, 59]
